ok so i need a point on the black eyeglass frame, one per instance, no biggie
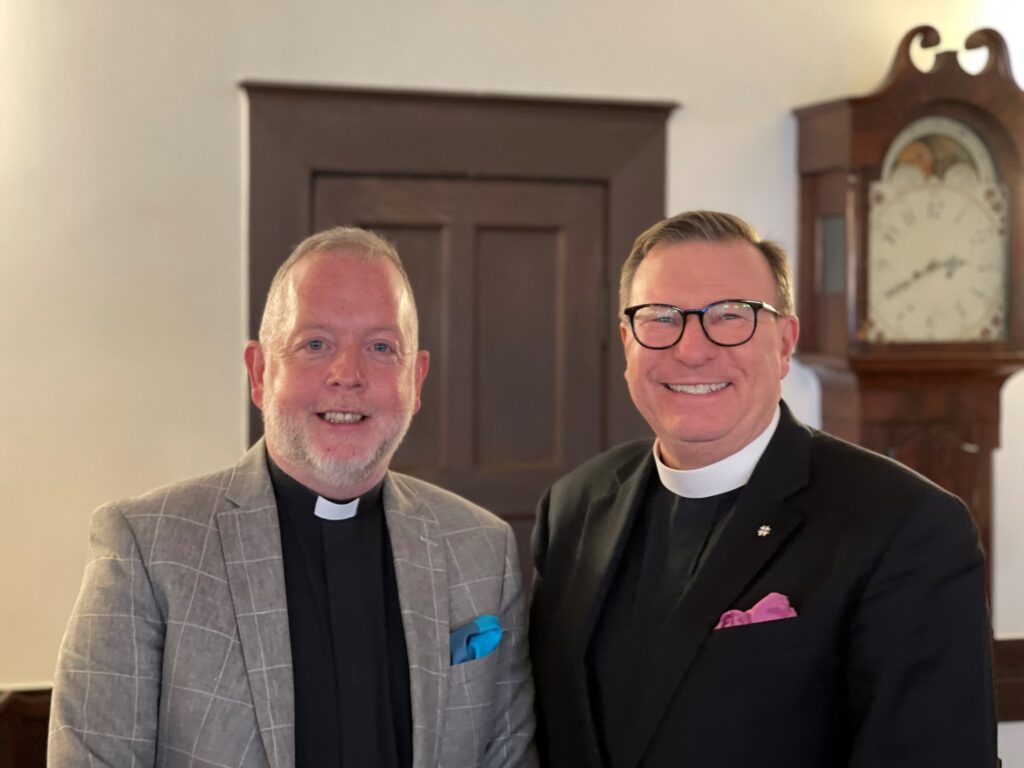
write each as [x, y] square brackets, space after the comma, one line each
[757, 306]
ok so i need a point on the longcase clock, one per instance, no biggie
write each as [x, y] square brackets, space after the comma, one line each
[911, 271]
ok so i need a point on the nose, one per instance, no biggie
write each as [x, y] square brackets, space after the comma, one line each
[694, 347]
[346, 369]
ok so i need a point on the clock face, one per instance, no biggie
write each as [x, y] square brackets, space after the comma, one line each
[937, 255]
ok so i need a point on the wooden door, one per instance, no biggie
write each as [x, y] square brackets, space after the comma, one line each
[510, 284]
[514, 216]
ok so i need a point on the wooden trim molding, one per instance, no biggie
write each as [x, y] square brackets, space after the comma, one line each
[1008, 660]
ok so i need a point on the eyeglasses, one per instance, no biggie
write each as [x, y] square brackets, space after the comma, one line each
[727, 323]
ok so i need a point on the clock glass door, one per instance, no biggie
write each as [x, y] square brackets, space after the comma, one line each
[937, 247]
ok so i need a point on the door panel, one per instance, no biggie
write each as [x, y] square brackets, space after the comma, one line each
[517, 366]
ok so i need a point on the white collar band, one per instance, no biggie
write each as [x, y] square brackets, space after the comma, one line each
[728, 474]
[328, 510]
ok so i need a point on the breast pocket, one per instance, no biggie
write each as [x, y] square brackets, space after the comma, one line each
[470, 671]
[778, 635]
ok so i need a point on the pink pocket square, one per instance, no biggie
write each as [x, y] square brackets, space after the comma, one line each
[771, 607]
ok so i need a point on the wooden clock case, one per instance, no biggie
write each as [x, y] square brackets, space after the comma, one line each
[932, 406]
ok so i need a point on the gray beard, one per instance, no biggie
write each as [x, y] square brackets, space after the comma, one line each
[289, 440]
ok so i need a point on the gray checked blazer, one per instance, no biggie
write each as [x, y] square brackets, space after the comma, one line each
[178, 652]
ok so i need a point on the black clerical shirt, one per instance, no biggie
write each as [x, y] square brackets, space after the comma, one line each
[349, 659]
[664, 550]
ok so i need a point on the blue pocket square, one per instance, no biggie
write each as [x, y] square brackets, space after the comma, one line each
[476, 639]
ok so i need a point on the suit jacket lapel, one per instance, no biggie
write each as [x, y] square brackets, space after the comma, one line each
[605, 530]
[738, 556]
[251, 541]
[422, 577]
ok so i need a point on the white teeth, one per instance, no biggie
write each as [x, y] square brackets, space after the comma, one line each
[697, 389]
[342, 417]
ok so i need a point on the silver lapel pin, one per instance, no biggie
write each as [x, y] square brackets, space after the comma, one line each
[764, 530]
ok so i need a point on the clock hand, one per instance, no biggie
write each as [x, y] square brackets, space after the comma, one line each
[951, 265]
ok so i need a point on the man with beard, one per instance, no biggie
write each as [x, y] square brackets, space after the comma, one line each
[306, 607]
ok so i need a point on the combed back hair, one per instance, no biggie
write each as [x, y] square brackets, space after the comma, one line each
[352, 241]
[708, 227]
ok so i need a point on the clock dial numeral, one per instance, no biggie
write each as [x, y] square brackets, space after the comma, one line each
[979, 236]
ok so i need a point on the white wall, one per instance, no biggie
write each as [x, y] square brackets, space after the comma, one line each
[122, 255]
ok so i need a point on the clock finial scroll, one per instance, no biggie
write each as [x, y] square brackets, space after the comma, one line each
[911, 262]
[997, 66]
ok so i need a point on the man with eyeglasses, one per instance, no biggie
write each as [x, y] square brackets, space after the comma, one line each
[748, 591]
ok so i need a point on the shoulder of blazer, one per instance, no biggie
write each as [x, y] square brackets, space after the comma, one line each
[452, 512]
[195, 499]
[841, 470]
[873, 499]
[599, 477]
[846, 467]
[199, 499]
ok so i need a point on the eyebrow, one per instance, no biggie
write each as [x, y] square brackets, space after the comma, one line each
[332, 329]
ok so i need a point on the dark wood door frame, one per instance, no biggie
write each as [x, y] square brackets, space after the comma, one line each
[298, 132]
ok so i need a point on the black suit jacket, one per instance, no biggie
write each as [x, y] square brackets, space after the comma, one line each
[888, 663]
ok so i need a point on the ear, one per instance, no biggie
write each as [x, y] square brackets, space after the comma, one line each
[421, 366]
[789, 334]
[255, 364]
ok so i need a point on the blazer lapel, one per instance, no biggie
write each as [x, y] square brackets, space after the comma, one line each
[422, 577]
[738, 556]
[251, 541]
[605, 530]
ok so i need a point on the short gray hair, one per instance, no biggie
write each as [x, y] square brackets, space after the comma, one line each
[361, 243]
[708, 227]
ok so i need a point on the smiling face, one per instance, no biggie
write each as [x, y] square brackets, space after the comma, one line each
[338, 377]
[705, 402]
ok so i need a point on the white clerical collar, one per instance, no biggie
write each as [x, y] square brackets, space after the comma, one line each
[328, 510]
[722, 476]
